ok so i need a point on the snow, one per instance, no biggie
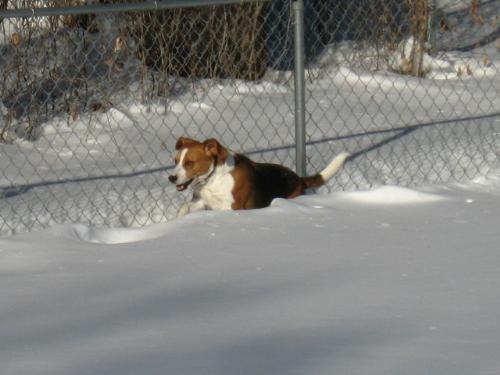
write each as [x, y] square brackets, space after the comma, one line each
[398, 274]
[386, 281]
[391, 195]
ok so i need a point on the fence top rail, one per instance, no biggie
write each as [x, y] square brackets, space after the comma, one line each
[111, 8]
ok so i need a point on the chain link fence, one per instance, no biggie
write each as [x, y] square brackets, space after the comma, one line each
[417, 89]
[92, 101]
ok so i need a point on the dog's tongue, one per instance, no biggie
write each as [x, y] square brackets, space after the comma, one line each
[184, 186]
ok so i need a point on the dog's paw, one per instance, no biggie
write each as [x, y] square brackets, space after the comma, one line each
[183, 211]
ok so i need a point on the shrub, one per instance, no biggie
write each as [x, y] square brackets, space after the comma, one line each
[206, 42]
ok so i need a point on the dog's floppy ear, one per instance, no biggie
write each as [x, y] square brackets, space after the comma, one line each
[183, 142]
[212, 147]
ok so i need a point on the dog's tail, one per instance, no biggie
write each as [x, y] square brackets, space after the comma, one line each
[321, 178]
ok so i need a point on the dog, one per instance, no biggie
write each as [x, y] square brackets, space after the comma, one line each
[223, 180]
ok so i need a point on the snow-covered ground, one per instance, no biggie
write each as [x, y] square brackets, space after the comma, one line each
[386, 281]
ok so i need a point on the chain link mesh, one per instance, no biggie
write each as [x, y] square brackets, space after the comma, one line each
[91, 105]
[416, 89]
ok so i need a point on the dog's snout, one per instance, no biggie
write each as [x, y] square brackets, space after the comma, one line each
[172, 178]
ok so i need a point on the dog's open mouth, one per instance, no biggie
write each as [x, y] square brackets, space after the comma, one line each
[184, 186]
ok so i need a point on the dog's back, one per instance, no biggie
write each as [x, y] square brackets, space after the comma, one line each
[274, 181]
[265, 181]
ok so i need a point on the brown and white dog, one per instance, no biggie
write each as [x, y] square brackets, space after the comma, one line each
[223, 180]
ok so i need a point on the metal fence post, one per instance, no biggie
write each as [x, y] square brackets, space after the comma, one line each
[299, 81]
[431, 30]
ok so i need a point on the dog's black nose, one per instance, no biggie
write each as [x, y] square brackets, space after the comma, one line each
[172, 178]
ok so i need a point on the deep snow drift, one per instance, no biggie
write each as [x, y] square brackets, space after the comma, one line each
[387, 281]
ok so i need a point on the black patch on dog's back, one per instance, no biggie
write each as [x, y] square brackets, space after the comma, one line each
[270, 181]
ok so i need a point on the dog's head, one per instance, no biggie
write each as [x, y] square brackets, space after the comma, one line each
[195, 161]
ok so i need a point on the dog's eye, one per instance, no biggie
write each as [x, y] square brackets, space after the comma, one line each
[188, 164]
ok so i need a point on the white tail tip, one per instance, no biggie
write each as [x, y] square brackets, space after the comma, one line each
[334, 166]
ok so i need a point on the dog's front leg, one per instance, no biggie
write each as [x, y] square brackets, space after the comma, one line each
[193, 206]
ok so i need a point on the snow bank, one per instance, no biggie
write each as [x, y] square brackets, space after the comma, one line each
[347, 283]
[391, 195]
